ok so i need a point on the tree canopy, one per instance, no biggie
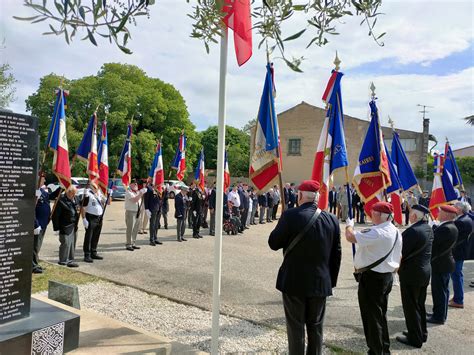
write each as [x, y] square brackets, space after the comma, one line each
[125, 92]
[7, 91]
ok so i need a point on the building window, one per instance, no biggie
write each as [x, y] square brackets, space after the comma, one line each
[294, 146]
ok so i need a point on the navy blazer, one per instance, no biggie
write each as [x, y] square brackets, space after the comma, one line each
[445, 237]
[212, 199]
[43, 209]
[464, 226]
[416, 270]
[262, 200]
[179, 206]
[152, 200]
[312, 266]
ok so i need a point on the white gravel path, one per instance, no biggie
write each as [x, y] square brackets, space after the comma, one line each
[185, 324]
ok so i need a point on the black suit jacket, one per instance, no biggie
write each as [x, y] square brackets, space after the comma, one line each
[312, 267]
[179, 206]
[464, 226]
[417, 269]
[444, 237]
[152, 200]
[332, 196]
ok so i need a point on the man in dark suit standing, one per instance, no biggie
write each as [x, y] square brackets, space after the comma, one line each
[292, 196]
[310, 267]
[414, 273]
[152, 202]
[332, 200]
[442, 263]
[180, 213]
[464, 225]
[262, 203]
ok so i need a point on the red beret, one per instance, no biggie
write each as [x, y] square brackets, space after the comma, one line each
[309, 185]
[448, 209]
[383, 207]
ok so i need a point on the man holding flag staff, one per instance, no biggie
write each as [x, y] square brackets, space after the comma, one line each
[132, 199]
[92, 211]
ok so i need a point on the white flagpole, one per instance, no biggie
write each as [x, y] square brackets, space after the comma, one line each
[216, 285]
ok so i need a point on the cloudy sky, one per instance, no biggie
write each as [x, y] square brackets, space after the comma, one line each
[427, 59]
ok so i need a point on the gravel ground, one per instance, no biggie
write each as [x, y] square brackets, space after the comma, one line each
[185, 324]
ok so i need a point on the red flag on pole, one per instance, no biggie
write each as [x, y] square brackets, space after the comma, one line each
[238, 19]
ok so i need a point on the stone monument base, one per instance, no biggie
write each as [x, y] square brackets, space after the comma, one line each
[48, 330]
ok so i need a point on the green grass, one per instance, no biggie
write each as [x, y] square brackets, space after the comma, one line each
[61, 274]
[340, 351]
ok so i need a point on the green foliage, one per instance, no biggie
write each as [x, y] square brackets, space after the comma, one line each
[126, 92]
[466, 168]
[109, 19]
[7, 91]
[238, 149]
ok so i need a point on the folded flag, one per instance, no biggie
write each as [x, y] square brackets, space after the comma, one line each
[103, 156]
[237, 17]
[125, 163]
[157, 173]
[57, 140]
[179, 162]
[87, 151]
[200, 173]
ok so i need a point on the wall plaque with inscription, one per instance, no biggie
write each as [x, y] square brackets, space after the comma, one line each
[18, 175]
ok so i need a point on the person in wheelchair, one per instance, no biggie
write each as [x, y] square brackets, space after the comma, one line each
[231, 222]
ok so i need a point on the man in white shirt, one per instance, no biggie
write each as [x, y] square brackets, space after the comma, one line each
[233, 196]
[93, 208]
[132, 199]
[373, 244]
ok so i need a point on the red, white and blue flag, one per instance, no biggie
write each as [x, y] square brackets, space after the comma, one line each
[265, 163]
[239, 20]
[200, 173]
[125, 162]
[402, 166]
[394, 190]
[443, 191]
[179, 162]
[226, 173]
[157, 173]
[372, 173]
[331, 153]
[103, 156]
[57, 140]
[87, 151]
[451, 168]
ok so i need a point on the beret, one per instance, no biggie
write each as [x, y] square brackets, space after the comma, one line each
[421, 208]
[383, 207]
[448, 208]
[309, 185]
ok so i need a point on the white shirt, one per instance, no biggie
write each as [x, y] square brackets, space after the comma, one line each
[129, 204]
[95, 204]
[374, 243]
[234, 197]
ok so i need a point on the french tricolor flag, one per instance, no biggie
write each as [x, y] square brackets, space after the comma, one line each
[103, 159]
[443, 190]
[156, 171]
[87, 151]
[125, 162]
[57, 140]
[179, 162]
[226, 173]
[200, 172]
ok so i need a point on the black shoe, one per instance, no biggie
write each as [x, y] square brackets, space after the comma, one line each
[199, 236]
[262, 222]
[152, 244]
[135, 247]
[179, 240]
[212, 234]
[405, 333]
[62, 263]
[195, 237]
[433, 320]
[166, 227]
[97, 257]
[37, 271]
[404, 340]
[72, 264]
[130, 248]
[158, 242]
[88, 259]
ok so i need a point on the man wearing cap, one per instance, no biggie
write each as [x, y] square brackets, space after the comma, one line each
[132, 221]
[380, 244]
[310, 239]
[442, 263]
[180, 212]
[464, 225]
[414, 272]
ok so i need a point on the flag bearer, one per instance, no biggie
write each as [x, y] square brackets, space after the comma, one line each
[94, 202]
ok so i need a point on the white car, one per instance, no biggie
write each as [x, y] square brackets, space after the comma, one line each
[174, 187]
[79, 182]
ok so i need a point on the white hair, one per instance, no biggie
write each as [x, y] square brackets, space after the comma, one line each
[385, 216]
[419, 215]
[310, 196]
[465, 207]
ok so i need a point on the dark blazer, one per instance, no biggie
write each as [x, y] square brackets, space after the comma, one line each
[292, 198]
[332, 196]
[212, 199]
[198, 201]
[244, 199]
[312, 267]
[444, 238]
[262, 200]
[417, 269]
[152, 200]
[179, 206]
[66, 216]
[269, 200]
[165, 206]
[464, 226]
[43, 209]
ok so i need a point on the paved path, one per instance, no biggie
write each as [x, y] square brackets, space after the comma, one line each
[183, 271]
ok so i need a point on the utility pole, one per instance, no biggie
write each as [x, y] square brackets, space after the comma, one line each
[426, 138]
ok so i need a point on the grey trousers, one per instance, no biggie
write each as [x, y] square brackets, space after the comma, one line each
[252, 215]
[143, 218]
[269, 214]
[344, 212]
[261, 214]
[212, 222]
[165, 218]
[37, 243]
[67, 247]
[132, 223]
[180, 227]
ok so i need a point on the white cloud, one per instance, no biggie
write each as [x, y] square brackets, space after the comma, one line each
[163, 48]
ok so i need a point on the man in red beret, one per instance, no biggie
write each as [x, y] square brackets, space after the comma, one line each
[442, 262]
[310, 239]
[377, 257]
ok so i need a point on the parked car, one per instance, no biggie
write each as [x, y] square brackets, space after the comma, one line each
[79, 182]
[174, 187]
[118, 190]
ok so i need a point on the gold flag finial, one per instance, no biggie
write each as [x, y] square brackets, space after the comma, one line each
[337, 62]
[391, 122]
[372, 88]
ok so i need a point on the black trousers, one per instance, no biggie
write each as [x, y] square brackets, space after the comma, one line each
[300, 312]
[197, 220]
[243, 218]
[373, 292]
[413, 301]
[154, 223]
[332, 207]
[440, 293]
[274, 211]
[91, 238]
[356, 213]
